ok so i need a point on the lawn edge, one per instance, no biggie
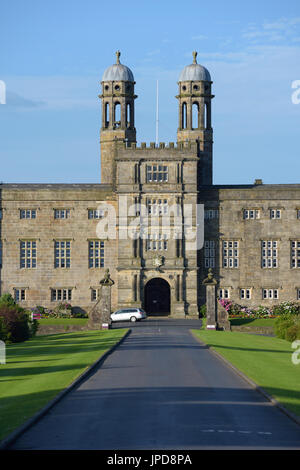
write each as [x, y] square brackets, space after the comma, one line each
[12, 437]
[251, 382]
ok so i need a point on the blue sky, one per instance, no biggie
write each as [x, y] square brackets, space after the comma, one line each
[53, 54]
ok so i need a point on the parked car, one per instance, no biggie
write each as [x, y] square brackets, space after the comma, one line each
[128, 314]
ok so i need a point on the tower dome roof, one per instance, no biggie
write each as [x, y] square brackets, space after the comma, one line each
[194, 72]
[118, 72]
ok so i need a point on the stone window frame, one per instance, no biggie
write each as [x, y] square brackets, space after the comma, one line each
[28, 253]
[270, 293]
[298, 293]
[210, 247]
[252, 213]
[211, 213]
[60, 294]
[95, 213]
[28, 213]
[230, 259]
[61, 213]
[157, 241]
[297, 213]
[62, 253]
[1, 253]
[96, 254]
[245, 293]
[157, 173]
[95, 293]
[157, 206]
[275, 213]
[20, 294]
[224, 293]
[295, 259]
[270, 260]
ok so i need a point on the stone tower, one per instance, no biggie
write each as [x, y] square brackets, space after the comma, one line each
[195, 115]
[117, 115]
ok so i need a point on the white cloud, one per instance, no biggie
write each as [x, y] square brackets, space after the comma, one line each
[15, 100]
[53, 92]
[284, 29]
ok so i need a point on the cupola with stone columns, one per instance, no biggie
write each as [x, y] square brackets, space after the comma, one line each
[194, 100]
[117, 114]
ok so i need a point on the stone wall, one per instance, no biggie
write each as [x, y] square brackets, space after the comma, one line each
[230, 201]
[45, 229]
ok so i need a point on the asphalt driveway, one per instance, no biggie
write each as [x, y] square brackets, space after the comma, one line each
[160, 389]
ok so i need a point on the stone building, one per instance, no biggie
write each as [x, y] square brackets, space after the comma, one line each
[56, 240]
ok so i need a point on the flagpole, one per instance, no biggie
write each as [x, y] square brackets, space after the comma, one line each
[156, 138]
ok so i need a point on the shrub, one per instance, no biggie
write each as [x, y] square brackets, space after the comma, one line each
[7, 300]
[227, 304]
[283, 323]
[79, 314]
[63, 309]
[39, 309]
[33, 325]
[293, 332]
[202, 311]
[3, 330]
[286, 308]
[14, 324]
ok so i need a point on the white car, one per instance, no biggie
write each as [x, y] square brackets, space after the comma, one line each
[128, 314]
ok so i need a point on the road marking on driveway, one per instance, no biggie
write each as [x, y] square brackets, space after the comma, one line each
[241, 432]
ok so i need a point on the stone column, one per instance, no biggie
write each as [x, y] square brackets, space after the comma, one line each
[211, 301]
[99, 316]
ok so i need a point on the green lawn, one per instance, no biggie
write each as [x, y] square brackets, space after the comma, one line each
[266, 360]
[253, 321]
[63, 321]
[38, 369]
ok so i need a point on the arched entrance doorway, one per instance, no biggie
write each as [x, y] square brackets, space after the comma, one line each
[157, 297]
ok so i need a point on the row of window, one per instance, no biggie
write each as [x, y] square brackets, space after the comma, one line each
[155, 206]
[66, 294]
[158, 242]
[62, 254]
[273, 213]
[57, 213]
[246, 294]
[20, 294]
[230, 253]
[250, 214]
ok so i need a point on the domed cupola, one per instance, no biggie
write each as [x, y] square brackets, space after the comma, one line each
[118, 72]
[194, 72]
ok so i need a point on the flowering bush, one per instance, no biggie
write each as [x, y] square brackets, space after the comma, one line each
[225, 304]
[264, 312]
[62, 310]
[64, 306]
[286, 307]
[235, 310]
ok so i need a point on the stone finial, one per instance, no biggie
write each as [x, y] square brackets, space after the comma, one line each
[195, 53]
[106, 281]
[118, 53]
[210, 278]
